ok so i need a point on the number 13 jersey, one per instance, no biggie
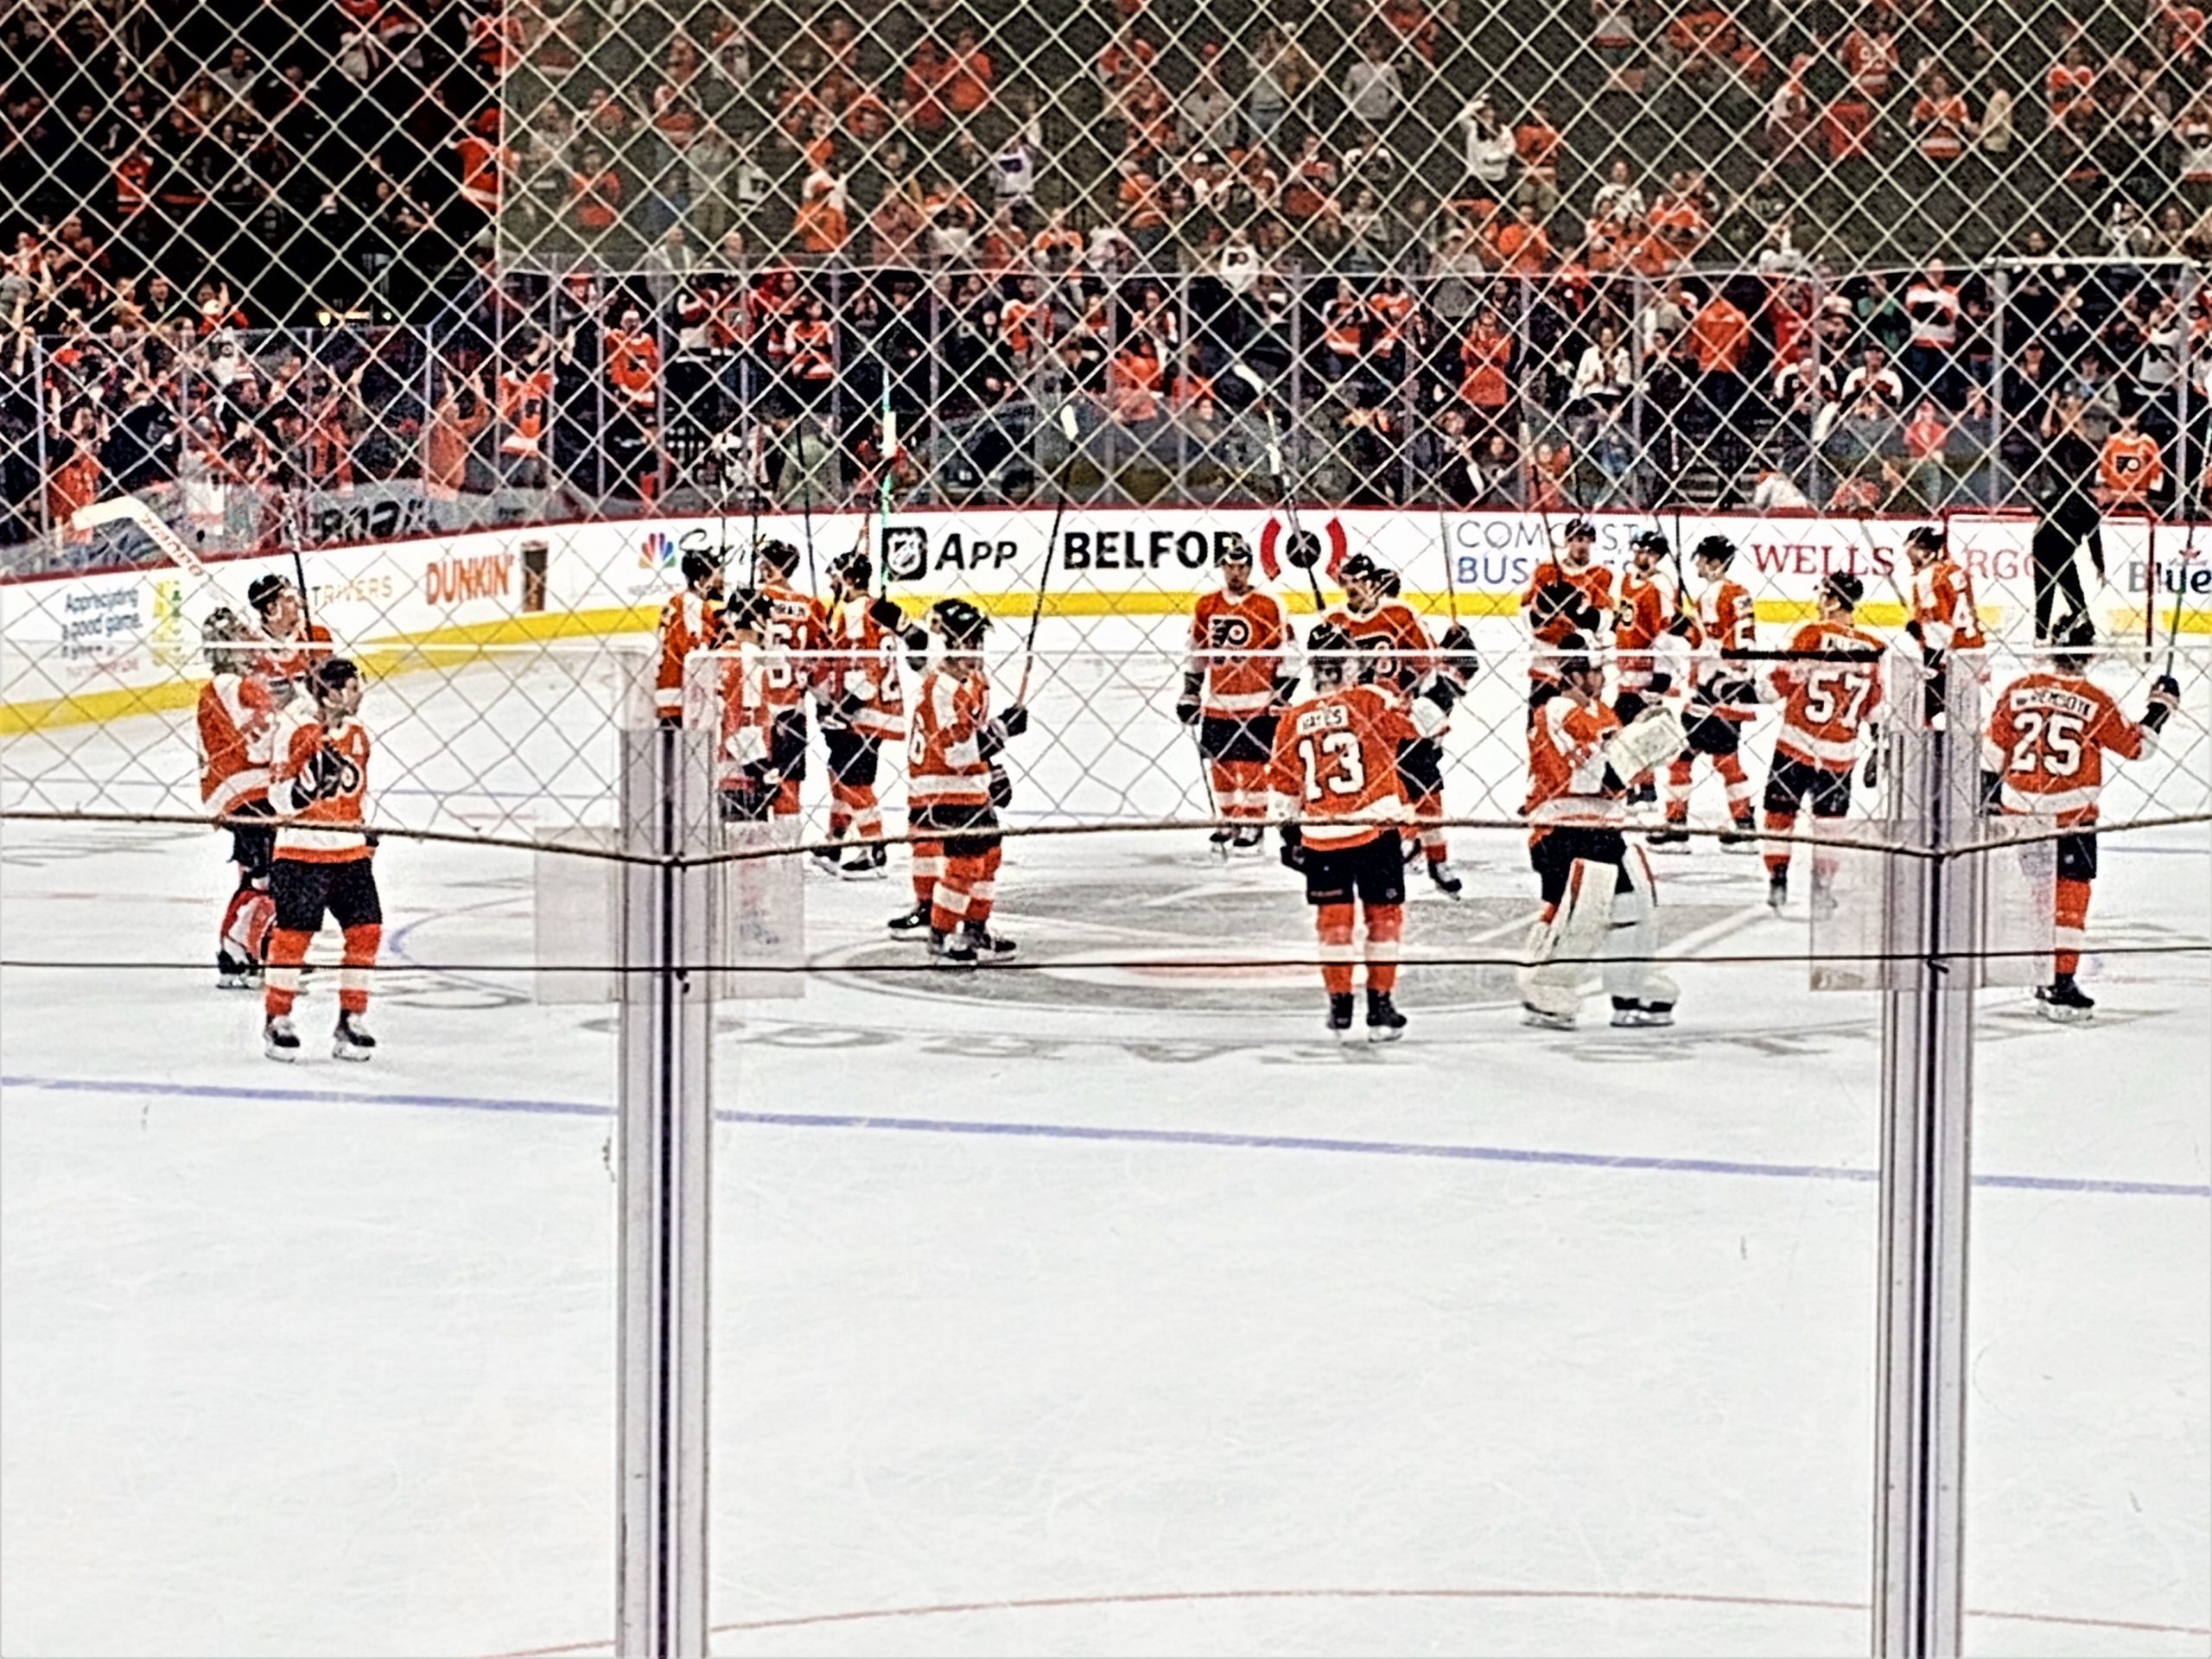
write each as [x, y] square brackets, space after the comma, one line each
[1336, 760]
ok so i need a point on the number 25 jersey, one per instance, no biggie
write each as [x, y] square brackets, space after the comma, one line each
[2053, 730]
[1336, 759]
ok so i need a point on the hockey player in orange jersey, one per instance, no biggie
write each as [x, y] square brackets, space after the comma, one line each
[687, 623]
[1382, 626]
[2052, 729]
[324, 860]
[1239, 676]
[863, 707]
[798, 631]
[1944, 617]
[235, 719]
[955, 787]
[1722, 700]
[1568, 594]
[1600, 901]
[1340, 796]
[1830, 691]
[290, 646]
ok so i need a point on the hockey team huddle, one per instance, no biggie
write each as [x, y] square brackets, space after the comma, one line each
[1340, 743]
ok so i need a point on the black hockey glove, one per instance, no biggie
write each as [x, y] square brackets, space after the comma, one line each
[1661, 684]
[1870, 774]
[1286, 687]
[1588, 620]
[1913, 629]
[2166, 696]
[1459, 654]
[1186, 706]
[1001, 786]
[886, 615]
[1015, 722]
[1556, 601]
[1293, 851]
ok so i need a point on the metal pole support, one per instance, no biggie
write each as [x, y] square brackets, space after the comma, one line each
[666, 926]
[1934, 910]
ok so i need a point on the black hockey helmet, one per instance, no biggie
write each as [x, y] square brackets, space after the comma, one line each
[960, 622]
[265, 591]
[698, 566]
[331, 674]
[744, 607]
[1844, 588]
[1649, 540]
[2075, 637]
[1573, 655]
[1330, 646]
[778, 558]
[1928, 538]
[1718, 548]
[1237, 550]
[854, 568]
[1579, 528]
[1358, 567]
[1389, 581]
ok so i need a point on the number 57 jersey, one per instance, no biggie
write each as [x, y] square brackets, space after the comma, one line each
[1335, 767]
[1825, 704]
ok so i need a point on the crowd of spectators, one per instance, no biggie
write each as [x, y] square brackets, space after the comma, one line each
[1622, 251]
[707, 384]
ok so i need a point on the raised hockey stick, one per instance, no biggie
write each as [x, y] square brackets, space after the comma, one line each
[1450, 580]
[806, 507]
[1066, 421]
[1302, 553]
[128, 509]
[2173, 623]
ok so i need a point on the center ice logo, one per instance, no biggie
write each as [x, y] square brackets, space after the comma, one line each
[657, 552]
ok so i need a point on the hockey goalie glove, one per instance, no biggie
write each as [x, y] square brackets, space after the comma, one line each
[1652, 739]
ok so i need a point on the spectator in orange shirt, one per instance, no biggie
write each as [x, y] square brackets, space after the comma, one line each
[1524, 245]
[818, 223]
[1721, 335]
[1143, 218]
[2130, 470]
[1133, 381]
[967, 87]
[1485, 363]
[1926, 436]
[924, 84]
[594, 195]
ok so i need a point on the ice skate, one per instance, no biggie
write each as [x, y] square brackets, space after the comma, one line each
[1384, 1023]
[236, 973]
[2065, 1002]
[1338, 1024]
[1777, 890]
[351, 1040]
[1672, 838]
[953, 951]
[987, 946]
[1743, 838]
[1630, 1013]
[913, 925]
[279, 1041]
[1445, 878]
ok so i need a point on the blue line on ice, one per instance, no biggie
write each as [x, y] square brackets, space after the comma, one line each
[131, 1087]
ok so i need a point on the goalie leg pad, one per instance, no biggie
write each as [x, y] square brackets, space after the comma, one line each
[1633, 938]
[1561, 948]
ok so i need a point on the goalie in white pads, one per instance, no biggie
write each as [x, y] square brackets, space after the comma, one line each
[1599, 900]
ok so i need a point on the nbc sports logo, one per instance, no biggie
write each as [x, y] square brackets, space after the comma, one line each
[657, 552]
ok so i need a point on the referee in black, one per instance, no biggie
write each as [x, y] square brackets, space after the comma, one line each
[2067, 517]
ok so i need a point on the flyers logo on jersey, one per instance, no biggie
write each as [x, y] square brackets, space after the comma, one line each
[1302, 549]
[1228, 633]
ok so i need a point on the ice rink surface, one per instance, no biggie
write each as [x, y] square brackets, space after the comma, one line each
[1087, 1308]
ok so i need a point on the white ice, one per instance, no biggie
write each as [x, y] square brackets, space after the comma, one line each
[1097, 1308]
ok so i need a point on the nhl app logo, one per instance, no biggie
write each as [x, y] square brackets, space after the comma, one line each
[905, 552]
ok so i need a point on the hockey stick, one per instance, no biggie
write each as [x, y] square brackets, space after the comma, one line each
[2173, 624]
[128, 509]
[806, 507]
[299, 572]
[1450, 580]
[887, 443]
[1066, 421]
[1301, 551]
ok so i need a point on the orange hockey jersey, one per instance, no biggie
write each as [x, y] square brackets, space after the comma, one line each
[1548, 626]
[945, 762]
[1238, 647]
[865, 667]
[320, 820]
[798, 629]
[236, 715]
[1825, 705]
[1942, 603]
[1646, 607]
[688, 622]
[1335, 760]
[2053, 730]
[1393, 639]
[1566, 765]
